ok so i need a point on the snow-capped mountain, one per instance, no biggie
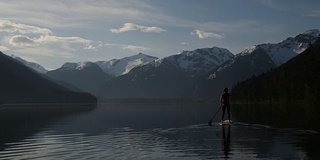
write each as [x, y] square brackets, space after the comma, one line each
[166, 77]
[87, 76]
[189, 63]
[83, 75]
[281, 52]
[32, 65]
[77, 66]
[253, 61]
[296, 81]
[117, 67]
[20, 84]
[200, 60]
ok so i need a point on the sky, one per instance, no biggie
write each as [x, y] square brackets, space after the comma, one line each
[53, 32]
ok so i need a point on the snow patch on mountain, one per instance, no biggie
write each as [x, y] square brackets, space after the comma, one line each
[69, 66]
[201, 60]
[76, 66]
[312, 33]
[36, 67]
[281, 52]
[117, 67]
[248, 50]
[194, 62]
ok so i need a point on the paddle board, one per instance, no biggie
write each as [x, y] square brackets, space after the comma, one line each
[225, 122]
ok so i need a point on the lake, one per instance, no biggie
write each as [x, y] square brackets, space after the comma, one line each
[144, 131]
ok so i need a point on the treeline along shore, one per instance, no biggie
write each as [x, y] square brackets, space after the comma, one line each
[287, 96]
[297, 81]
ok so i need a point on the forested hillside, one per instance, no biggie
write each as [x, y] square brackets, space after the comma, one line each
[20, 84]
[297, 81]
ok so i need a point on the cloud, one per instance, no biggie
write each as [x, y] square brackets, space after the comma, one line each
[271, 4]
[134, 27]
[75, 13]
[85, 14]
[45, 51]
[314, 13]
[11, 27]
[56, 39]
[204, 35]
[25, 41]
[135, 48]
[32, 36]
[93, 47]
[21, 41]
[4, 48]
[90, 47]
[184, 43]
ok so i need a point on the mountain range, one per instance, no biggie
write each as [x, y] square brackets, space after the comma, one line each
[251, 62]
[87, 76]
[83, 75]
[297, 82]
[31, 65]
[117, 67]
[166, 77]
[201, 73]
[20, 84]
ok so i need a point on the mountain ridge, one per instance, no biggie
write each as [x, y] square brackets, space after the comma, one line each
[163, 78]
[253, 61]
[32, 65]
[200, 73]
[84, 75]
[296, 81]
[21, 84]
[117, 67]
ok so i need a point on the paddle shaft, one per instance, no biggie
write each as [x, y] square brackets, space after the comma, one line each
[216, 113]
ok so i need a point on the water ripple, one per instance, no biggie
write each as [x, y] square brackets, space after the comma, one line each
[118, 143]
[190, 142]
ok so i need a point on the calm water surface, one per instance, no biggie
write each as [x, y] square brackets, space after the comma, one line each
[144, 131]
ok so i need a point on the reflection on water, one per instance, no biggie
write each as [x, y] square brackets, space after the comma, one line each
[288, 116]
[285, 118]
[226, 139]
[145, 131]
[20, 121]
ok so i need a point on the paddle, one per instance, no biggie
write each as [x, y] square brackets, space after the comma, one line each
[214, 116]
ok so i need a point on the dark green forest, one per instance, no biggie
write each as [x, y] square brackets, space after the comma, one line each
[295, 82]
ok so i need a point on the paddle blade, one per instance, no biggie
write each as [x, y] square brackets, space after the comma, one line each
[210, 123]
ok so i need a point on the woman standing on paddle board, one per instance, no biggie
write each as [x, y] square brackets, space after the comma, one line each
[225, 103]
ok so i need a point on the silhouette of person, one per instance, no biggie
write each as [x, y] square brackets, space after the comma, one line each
[225, 103]
[225, 141]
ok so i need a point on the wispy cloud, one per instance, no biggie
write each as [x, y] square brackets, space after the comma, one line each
[11, 27]
[22, 41]
[4, 48]
[271, 4]
[133, 48]
[75, 13]
[204, 35]
[45, 51]
[314, 13]
[84, 14]
[135, 27]
[57, 39]
[184, 43]
[37, 37]
[94, 47]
